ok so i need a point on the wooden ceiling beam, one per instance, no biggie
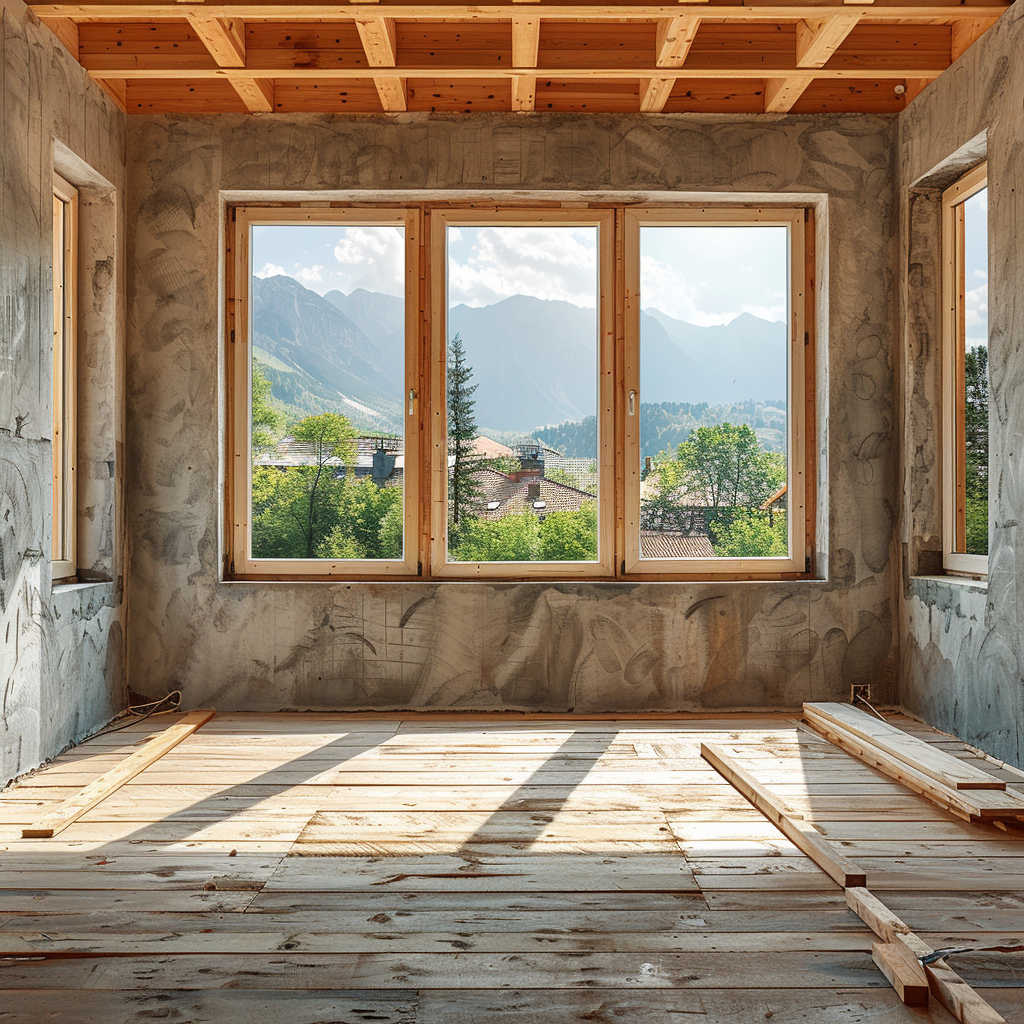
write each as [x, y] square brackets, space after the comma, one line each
[379, 38]
[818, 38]
[66, 30]
[223, 37]
[256, 93]
[116, 90]
[525, 52]
[781, 93]
[882, 10]
[888, 68]
[674, 39]
[656, 92]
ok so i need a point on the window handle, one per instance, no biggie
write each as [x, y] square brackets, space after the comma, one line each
[632, 402]
[412, 401]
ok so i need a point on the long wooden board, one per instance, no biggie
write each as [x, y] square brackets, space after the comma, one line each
[911, 750]
[802, 835]
[99, 789]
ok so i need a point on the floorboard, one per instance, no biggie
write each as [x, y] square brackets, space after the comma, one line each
[463, 869]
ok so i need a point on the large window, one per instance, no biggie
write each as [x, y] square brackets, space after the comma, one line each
[591, 392]
[965, 374]
[65, 245]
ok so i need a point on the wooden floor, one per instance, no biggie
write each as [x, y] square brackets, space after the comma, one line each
[448, 870]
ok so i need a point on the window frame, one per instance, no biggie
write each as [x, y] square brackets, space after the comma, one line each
[426, 471]
[798, 387]
[239, 490]
[604, 220]
[64, 538]
[953, 372]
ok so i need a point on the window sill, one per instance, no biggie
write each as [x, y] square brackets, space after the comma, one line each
[918, 584]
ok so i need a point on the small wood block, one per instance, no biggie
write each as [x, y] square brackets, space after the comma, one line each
[958, 997]
[903, 970]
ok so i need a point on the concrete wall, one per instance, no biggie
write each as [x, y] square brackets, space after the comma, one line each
[476, 645]
[62, 657]
[961, 643]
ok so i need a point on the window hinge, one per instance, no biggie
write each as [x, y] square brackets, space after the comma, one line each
[231, 568]
[234, 213]
[232, 335]
[419, 568]
[623, 567]
[807, 564]
[807, 337]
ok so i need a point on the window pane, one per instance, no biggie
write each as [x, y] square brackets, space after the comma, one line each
[327, 334]
[713, 391]
[522, 393]
[973, 449]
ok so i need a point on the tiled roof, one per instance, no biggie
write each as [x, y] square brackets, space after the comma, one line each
[673, 544]
[514, 497]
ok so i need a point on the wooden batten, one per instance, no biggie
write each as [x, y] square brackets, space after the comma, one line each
[66, 30]
[223, 37]
[674, 39]
[781, 93]
[966, 33]
[818, 38]
[525, 41]
[391, 90]
[378, 37]
[903, 970]
[655, 95]
[524, 92]
[116, 89]
[256, 93]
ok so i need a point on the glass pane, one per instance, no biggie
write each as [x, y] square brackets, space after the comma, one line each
[327, 335]
[973, 450]
[713, 391]
[522, 393]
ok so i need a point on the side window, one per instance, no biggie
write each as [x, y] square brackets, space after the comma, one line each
[65, 243]
[965, 373]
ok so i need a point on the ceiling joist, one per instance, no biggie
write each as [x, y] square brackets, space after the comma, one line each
[818, 38]
[379, 39]
[223, 37]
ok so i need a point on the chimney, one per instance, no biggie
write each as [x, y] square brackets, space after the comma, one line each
[533, 491]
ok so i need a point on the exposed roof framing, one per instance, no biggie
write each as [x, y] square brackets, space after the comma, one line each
[743, 56]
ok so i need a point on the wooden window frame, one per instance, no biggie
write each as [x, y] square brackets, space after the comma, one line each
[426, 471]
[239, 490]
[604, 220]
[64, 540]
[799, 397]
[953, 405]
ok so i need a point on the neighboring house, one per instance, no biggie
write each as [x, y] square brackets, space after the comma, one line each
[381, 458]
[675, 544]
[503, 495]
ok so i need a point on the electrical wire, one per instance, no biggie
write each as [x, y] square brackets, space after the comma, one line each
[142, 714]
[863, 700]
[940, 954]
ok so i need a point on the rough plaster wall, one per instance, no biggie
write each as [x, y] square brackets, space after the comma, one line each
[592, 647]
[962, 644]
[61, 666]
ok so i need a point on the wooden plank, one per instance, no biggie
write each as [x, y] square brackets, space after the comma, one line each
[966, 32]
[391, 90]
[781, 93]
[818, 38]
[904, 972]
[946, 769]
[223, 37]
[117, 90]
[656, 92]
[378, 38]
[256, 93]
[975, 803]
[802, 835]
[525, 41]
[74, 807]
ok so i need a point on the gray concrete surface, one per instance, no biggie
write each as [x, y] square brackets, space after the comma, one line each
[62, 656]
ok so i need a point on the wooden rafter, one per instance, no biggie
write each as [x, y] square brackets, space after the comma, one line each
[781, 93]
[379, 39]
[66, 30]
[525, 52]
[256, 93]
[223, 37]
[818, 38]
[675, 37]
[966, 33]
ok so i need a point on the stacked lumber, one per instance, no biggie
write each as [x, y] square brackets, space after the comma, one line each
[962, 788]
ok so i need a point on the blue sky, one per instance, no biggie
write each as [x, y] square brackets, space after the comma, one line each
[976, 268]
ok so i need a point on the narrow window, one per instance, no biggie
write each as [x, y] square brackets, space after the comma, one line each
[523, 382]
[324, 439]
[65, 242]
[715, 399]
[965, 376]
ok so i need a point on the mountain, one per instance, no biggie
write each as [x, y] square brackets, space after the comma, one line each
[319, 359]
[534, 361]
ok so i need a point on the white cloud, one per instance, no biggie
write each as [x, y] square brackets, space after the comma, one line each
[372, 258]
[309, 275]
[976, 313]
[270, 270]
[487, 265]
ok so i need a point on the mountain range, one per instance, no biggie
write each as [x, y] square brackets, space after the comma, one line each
[534, 360]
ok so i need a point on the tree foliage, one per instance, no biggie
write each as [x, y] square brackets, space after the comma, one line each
[463, 490]
[267, 422]
[753, 533]
[976, 449]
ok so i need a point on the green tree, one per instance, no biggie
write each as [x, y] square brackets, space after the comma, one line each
[267, 422]
[976, 449]
[569, 536]
[512, 538]
[721, 465]
[316, 506]
[753, 533]
[463, 490]
[360, 532]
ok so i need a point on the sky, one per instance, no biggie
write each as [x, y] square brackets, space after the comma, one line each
[976, 268]
[703, 275]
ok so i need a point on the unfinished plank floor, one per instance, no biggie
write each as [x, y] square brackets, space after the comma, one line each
[457, 869]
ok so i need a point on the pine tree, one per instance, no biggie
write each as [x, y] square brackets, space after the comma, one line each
[463, 490]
